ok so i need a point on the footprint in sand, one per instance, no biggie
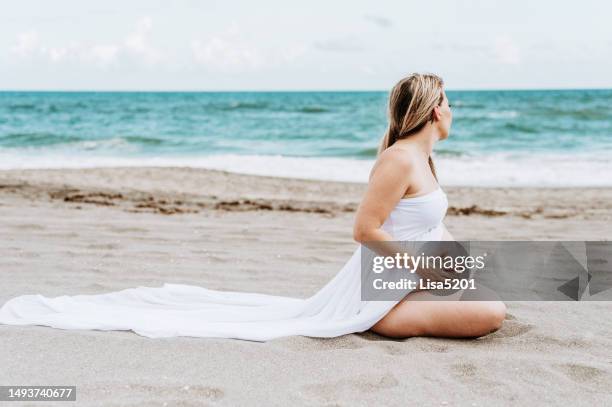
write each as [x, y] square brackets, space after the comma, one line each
[470, 373]
[590, 376]
[547, 341]
[339, 389]
[581, 373]
[204, 392]
[464, 369]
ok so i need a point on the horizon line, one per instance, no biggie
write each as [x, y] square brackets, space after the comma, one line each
[287, 90]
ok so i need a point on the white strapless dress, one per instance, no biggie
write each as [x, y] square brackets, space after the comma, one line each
[186, 310]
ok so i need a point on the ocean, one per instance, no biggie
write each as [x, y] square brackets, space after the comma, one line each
[498, 138]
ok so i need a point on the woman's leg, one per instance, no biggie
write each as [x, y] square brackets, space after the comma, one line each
[422, 313]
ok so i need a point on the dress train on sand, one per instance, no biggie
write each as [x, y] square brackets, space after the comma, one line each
[186, 310]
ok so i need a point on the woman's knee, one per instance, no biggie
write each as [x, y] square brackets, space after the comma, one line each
[493, 315]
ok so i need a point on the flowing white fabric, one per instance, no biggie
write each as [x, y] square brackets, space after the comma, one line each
[185, 310]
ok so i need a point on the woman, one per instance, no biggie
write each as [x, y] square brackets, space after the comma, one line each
[419, 116]
[403, 202]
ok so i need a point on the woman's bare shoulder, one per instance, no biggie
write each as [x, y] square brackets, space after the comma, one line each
[394, 159]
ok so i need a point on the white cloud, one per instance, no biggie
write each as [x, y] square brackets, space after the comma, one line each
[62, 53]
[139, 44]
[230, 50]
[104, 55]
[223, 53]
[57, 54]
[27, 43]
[29, 46]
[507, 51]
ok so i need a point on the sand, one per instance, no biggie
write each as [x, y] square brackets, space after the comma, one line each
[98, 230]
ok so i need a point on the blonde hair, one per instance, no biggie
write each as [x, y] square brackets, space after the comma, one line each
[411, 102]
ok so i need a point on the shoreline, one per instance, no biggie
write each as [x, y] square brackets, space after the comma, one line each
[483, 171]
[178, 168]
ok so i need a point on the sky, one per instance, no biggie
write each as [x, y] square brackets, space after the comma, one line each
[303, 45]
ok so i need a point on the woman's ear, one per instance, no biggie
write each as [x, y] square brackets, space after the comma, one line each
[436, 114]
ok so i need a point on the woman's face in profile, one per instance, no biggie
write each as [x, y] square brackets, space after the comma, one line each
[446, 118]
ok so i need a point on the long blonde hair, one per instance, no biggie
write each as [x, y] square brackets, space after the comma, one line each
[411, 103]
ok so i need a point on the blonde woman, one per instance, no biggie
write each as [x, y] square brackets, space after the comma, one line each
[419, 116]
[403, 202]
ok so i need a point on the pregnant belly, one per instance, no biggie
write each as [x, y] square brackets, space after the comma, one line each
[434, 234]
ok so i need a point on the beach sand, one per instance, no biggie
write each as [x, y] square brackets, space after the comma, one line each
[99, 230]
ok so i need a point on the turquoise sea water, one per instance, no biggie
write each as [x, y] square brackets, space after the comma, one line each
[498, 137]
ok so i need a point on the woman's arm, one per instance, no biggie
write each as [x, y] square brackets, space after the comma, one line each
[388, 183]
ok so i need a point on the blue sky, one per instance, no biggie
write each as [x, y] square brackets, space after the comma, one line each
[313, 45]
